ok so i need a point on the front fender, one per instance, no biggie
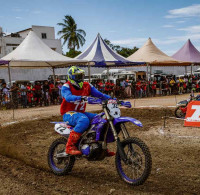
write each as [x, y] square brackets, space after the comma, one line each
[127, 119]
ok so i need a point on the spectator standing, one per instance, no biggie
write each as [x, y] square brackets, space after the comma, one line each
[107, 87]
[172, 85]
[46, 89]
[139, 89]
[117, 88]
[30, 97]
[60, 96]
[111, 88]
[5, 91]
[100, 86]
[198, 84]
[52, 92]
[181, 81]
[144, 88]
[153, 87]
[133, 88]
[14, 92]
[38, 94]
[23, 90]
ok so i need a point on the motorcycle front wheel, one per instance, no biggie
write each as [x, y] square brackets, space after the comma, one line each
[179, 113]
[60, 163]
[138, 166]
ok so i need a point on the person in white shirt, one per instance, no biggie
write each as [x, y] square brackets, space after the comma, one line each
[23, 90]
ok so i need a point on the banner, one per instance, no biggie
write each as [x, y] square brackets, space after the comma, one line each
[193, 114]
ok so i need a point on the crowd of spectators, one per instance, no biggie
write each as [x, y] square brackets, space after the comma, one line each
[28, 95]
[46, 93]
[156, 86]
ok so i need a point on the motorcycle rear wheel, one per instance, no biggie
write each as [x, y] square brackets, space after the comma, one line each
[135, 161]
[179, 113]
[66, 163]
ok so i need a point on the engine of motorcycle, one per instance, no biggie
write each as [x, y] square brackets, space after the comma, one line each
[93, 151]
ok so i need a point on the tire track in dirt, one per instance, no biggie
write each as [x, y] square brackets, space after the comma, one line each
[174, 161]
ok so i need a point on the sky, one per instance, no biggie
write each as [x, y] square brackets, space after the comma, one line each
[128, 23]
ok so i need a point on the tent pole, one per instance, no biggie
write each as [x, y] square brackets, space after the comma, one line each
[191, 79]
[185, 70]
[11, 98]
[107, 73]
[54, 77]
[9, 73]
[89, 74]
[191, 68]
[147, 78]
[150, 71]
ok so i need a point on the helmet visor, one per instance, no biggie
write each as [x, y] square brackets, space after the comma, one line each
[79, 77]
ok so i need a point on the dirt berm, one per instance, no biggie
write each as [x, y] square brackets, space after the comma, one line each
[175, 154]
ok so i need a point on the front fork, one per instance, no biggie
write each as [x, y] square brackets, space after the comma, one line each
[125, 133]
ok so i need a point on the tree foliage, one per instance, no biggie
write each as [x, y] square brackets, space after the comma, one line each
[123, 51]
[71, 35]
[72, 53]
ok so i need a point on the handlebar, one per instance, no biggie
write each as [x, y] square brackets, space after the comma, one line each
[92, 100]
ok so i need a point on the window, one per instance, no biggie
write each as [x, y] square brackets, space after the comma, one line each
[53, 49]
[12, 45]
[14, 48]
[44, 35]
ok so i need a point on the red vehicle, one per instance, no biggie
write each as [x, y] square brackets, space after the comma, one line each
[181, 108]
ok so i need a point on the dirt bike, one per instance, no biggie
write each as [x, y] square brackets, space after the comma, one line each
[181, 108]
[133, 159]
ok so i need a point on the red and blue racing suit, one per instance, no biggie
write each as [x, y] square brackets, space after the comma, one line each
[73, 109]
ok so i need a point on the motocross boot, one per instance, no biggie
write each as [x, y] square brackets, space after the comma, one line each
[72, 140]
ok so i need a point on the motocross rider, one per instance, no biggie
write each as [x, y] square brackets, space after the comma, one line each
[73, 107]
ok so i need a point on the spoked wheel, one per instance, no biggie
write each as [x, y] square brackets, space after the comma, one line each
[59, 162]
[138, 166]
[179, 113]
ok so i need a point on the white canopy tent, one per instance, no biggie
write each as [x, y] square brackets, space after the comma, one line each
[34, 53]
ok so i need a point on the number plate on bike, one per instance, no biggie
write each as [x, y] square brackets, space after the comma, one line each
[113, 108]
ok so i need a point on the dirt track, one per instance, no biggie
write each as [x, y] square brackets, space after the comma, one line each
[176, 160]
[6, 116]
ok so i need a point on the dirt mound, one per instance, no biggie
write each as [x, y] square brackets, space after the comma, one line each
[175, 160]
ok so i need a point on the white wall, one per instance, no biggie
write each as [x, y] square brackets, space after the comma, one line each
[23, 34]
[44, 29]
[41, 74]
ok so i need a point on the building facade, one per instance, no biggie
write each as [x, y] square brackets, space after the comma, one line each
[9, 42]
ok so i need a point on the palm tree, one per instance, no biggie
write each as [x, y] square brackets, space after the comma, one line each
[73, 36]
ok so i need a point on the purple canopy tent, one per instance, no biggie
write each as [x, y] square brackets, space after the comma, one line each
[3, 62]
[188, 53]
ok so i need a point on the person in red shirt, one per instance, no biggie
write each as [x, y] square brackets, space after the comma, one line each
[111, 88]
[100, 86]
[29, 94]
[153, 86]
[51, 92]
[107, 87]
[144, 88]
[38, 93]
[139, 89]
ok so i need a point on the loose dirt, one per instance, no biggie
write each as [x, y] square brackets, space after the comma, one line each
[175, 153]
[6, 116]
